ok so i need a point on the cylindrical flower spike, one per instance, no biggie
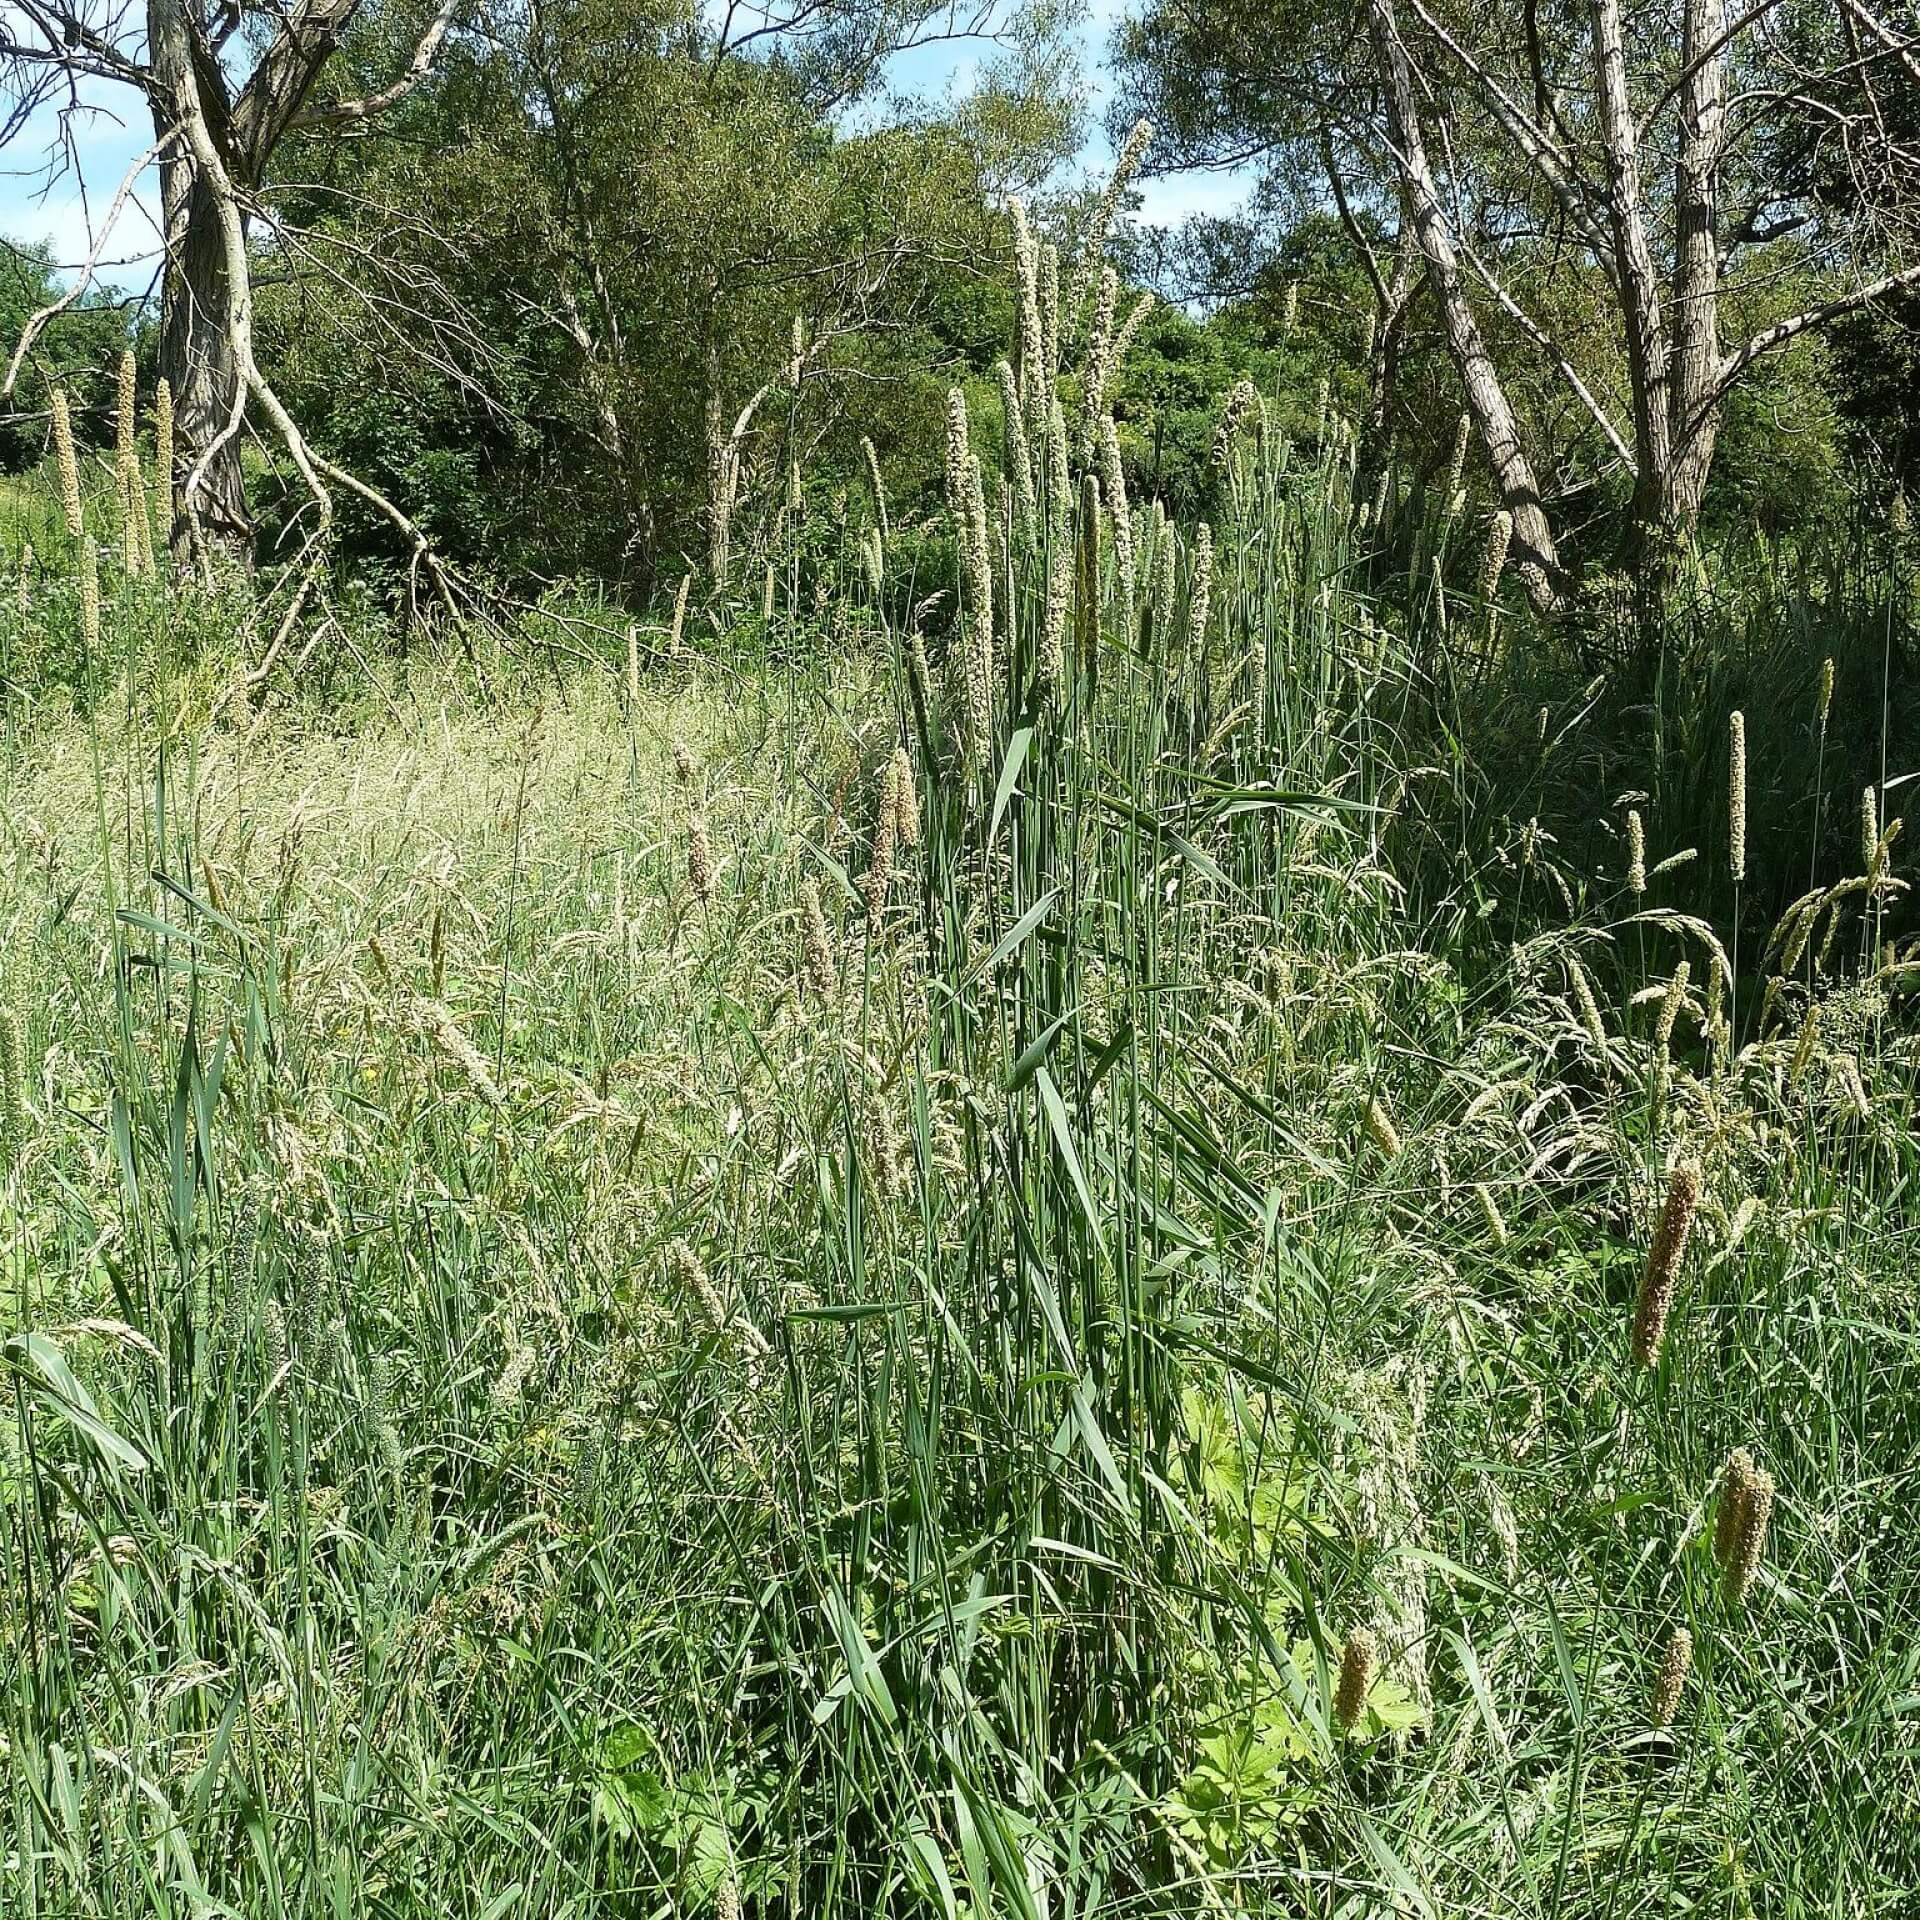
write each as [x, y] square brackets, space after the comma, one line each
[1663, 1263]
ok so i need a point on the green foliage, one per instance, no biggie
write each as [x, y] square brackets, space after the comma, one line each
[79, 350]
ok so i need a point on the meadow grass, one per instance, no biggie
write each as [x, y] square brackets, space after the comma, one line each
[1045, 1282]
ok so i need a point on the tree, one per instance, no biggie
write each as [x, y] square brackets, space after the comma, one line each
[229, 84]
[630, 217]
[1565, 162]
[217, 123]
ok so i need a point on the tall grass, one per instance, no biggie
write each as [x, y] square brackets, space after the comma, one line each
[595, 1325]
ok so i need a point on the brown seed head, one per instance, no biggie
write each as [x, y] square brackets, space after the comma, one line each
[1663, 1263]
[1672, 1678]
[700, 858]
[1736, 1485]
[1357, 1662]
[1751, 1540]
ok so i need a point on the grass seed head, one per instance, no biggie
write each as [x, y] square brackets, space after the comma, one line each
[1493, 562]
[66, 464]
[1200, 589]
[13, 1078]
[886, 834]
[1669, 1015]
[1636, 854]
[906, 799]
[1596, 1027]
[1664, 1258]
[1490, 1212]
[1671, 1681]
[1358, 1660]
[700, 858]
[1750, 1539]
[1381, 1130]
[823, 973]
[1457, 465]
[1737, 794]
[1736, 1484]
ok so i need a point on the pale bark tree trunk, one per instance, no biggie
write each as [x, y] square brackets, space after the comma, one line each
[200, 366]
[199, 357]
[1696, 268]
[1634, 272]
[1536, 557]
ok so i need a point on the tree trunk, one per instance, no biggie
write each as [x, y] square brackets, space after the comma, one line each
[200, 356]
[1693, 390]
[201, 368]
[1634, 271]
[1537, 559]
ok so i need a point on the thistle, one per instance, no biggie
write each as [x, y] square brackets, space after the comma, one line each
[1663, 1263]
[1636, 855]
[1737, 795]
[1357, 1662]
[67, 464]
[1672, 1678]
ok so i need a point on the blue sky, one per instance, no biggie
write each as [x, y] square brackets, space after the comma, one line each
[113, 131]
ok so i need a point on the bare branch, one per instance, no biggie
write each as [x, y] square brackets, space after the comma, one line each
[347, 112]
[32, 330]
